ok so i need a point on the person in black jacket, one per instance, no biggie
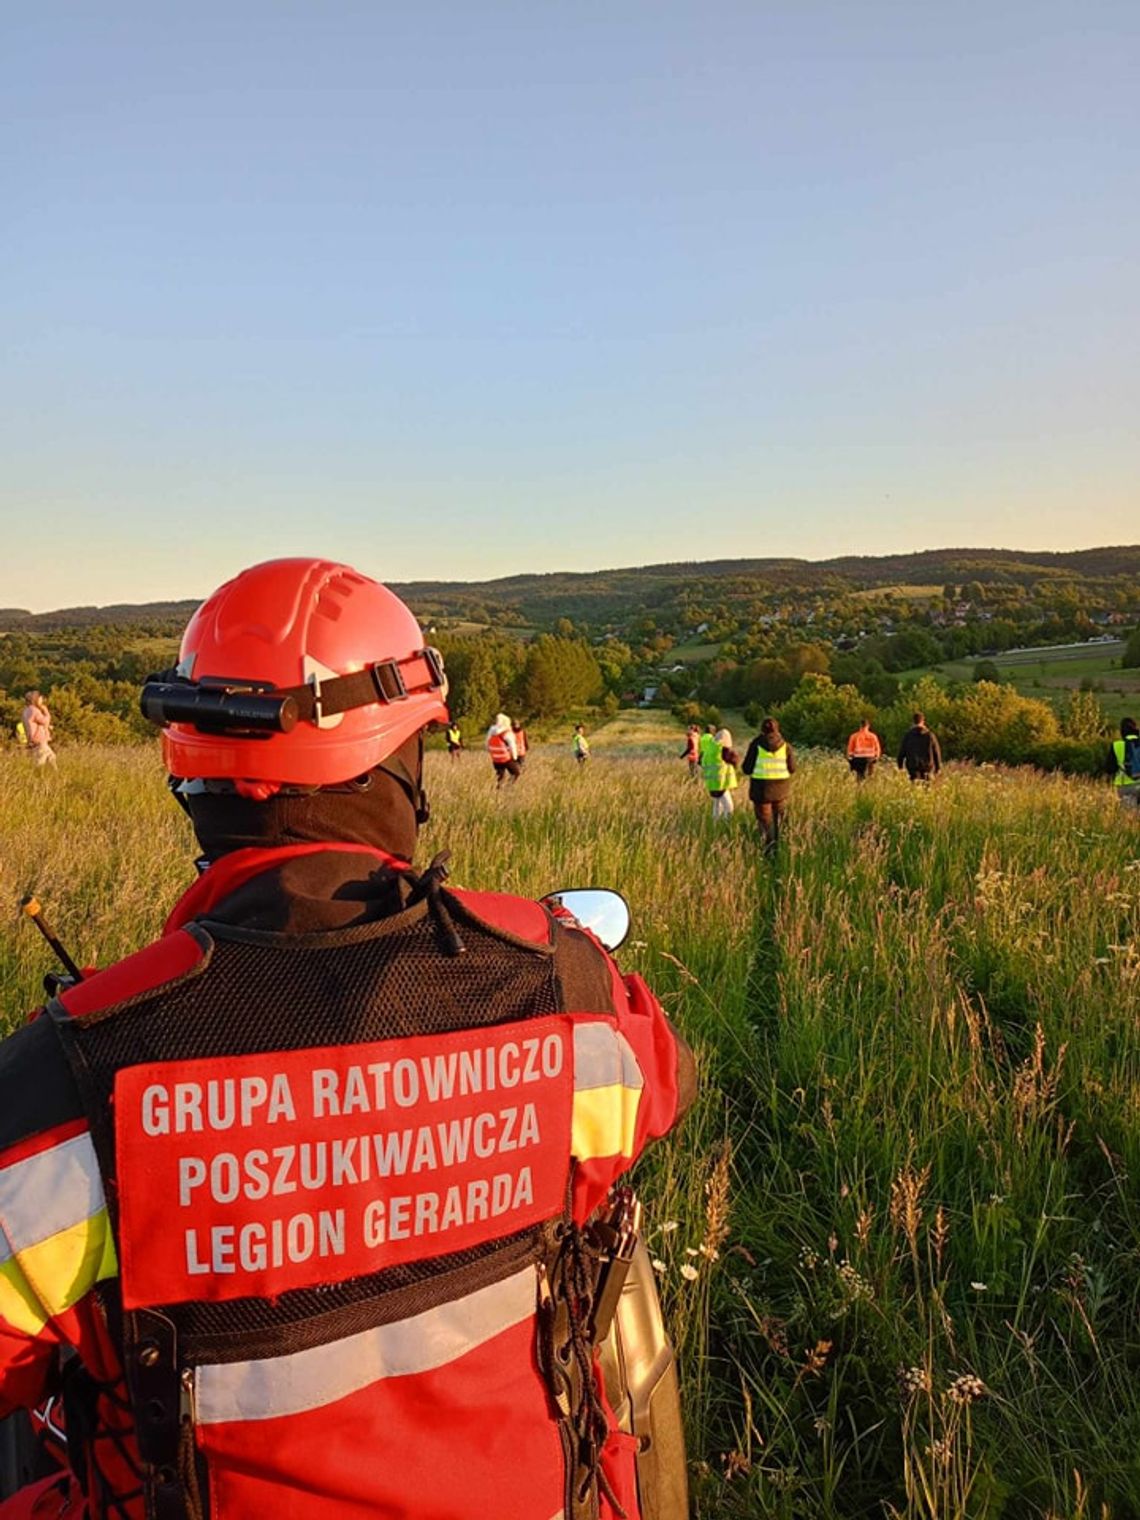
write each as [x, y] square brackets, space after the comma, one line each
[769, 765]
[919, 752]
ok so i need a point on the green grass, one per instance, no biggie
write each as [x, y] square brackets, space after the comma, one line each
[913, 1158]
[690, 654]
[1050, 679]
[900, 592]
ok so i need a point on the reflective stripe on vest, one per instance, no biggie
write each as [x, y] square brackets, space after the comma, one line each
[55, 1237]
[274, 1386]
[771, 765]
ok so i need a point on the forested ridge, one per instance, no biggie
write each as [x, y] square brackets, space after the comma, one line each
[610, 594]
[820, 642]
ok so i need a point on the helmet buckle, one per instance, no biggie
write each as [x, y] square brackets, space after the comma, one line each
[388, 681]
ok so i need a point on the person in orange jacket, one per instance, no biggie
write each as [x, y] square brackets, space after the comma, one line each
[863, 750]
[294, 1202]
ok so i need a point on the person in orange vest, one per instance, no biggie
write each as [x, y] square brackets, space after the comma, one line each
[298, 1200]
[503, 750]
[522, 743]
[692, 750]
[863, 749]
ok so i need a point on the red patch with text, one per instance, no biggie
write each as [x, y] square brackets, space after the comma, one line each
[251, 1175]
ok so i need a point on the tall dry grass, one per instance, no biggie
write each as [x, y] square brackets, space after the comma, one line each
[898, 1238]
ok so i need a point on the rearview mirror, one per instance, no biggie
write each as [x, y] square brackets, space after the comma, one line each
[604, 913]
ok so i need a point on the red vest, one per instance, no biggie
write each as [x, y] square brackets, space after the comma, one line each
[499, 749]
[333, 1165]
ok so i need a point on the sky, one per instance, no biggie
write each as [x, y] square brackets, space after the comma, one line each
[460, 290]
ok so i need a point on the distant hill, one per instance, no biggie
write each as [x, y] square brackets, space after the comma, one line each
[13, 618]
[612, 595]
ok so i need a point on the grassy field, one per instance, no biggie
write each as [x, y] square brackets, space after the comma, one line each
[899, 1237]
[900, 592]
[1050, 676]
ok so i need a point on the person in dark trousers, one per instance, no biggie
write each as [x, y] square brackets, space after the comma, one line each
[769, 765]
[919, 753]
[863, 750]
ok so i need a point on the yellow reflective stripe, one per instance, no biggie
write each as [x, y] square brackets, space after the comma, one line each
[19, 1306]
[65, 1267]
[604, 1121]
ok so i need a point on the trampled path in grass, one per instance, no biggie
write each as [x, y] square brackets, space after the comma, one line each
[899, 1236]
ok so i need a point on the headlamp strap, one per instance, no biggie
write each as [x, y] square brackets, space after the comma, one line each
[386, 681]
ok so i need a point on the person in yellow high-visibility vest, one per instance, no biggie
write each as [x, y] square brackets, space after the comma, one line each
[769, 765]
[718, 768]
[1123, 763]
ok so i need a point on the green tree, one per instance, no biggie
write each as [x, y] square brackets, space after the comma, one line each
[1131, 656]
[559, 674]
[819, 712]
[474, 686]
[986, 670]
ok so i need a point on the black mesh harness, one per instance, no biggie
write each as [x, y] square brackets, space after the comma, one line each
[434, 967]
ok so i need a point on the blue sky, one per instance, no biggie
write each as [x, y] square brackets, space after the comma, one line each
[468, 289]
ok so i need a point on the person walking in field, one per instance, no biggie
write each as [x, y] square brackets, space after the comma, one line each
[522, 743]
[256, 1313]
[503, 750]
[769, 765]
[719, 772]
[580, 745]
[36, 719]
[706, 744]
[1123, 764]
[454, 741]
[692, 751]
[919, 752]
[863, 750]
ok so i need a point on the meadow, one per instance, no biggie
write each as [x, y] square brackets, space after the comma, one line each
[1051, 676]
[899, 1236]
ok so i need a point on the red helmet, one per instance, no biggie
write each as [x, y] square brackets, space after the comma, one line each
[300, 672]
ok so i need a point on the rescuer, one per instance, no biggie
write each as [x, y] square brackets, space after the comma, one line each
[503, 750]
[920, 753]
[1123, 763]
[863, 750]
[310, 1185]
[691, 753]
[719, 771]
[769, 765]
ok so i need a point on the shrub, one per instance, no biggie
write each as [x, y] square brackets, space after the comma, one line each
[819, 712]
[1078, 757]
